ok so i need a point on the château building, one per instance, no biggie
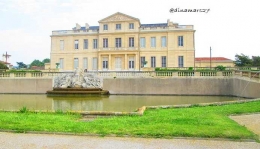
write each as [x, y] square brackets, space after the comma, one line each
[121, 42]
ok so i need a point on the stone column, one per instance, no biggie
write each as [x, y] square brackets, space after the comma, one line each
[109, 62]
[136, 62]
[125, 61]
[219, 73]
[99, 62]
[197, 74]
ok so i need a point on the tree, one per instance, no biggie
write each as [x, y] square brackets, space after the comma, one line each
[256, 60]
[3, 66]
[46, 60]
[36, 63]
[243, 60]
[21, 65]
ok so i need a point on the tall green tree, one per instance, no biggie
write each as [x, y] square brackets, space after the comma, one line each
[243, 60]
[256, 60]
[3, 66]
[46, 60]
[36, 63]
[21, 65]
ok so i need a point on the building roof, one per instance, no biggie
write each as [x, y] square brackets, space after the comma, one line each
[154, 25]
[91, 28]
[4, 62]
[119, 13]
[142, 25]
[212, 58]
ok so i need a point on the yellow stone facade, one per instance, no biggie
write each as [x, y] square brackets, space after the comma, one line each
[121, 42]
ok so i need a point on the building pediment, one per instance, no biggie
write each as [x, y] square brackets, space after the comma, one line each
[118, 17]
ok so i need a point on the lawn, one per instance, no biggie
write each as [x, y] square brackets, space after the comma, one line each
[205, 122]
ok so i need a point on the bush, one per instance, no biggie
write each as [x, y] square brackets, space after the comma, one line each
[3, 66]
[24, 110]
[220, 68]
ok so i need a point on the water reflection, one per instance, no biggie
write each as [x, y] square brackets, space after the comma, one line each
[98, 103]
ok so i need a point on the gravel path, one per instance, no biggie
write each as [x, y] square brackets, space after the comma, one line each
[48, 141]
[252, 122]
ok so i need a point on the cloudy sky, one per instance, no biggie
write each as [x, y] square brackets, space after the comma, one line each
[230, 27]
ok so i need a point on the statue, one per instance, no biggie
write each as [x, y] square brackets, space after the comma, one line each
[78, 79]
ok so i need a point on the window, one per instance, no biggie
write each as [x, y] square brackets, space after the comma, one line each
[76, 63]
[142, 62]
[163, 61]
[118, 63]
[105, 27]
[131, 42]
[95, 43]
[61, 63]
[118, 26]
[94, 63]
[105, 63]
[118, 43]
[105, 43]
[61, 44]
[163, 41]
[180, 61]
[142, 42]
[131, 25]
[85, 43]
[131, 65]
[76, 44]
[85, 63]
[153, 62]
[153, 42]
[180, 40]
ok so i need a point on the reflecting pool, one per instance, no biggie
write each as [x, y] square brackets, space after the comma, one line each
[127, 103]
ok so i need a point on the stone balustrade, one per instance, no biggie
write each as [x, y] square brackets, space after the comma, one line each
[138, 74]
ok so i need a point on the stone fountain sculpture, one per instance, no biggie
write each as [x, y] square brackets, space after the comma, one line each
[78, 83]
[78, 80]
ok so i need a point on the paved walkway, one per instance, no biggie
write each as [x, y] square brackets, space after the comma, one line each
[47, 141]
[252, 122]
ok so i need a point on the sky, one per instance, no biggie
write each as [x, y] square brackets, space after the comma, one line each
[230, 27]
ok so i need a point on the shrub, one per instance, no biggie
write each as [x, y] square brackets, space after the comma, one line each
[24, 110]
[3, 66]
[220, 68]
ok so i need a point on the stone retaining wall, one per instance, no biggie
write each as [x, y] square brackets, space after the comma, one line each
[228, 86]
[157, 86]
[25, 85]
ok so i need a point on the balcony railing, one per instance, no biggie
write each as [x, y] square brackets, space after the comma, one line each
[117, 49]
[158, 28]
[65, 32]
[140, 74]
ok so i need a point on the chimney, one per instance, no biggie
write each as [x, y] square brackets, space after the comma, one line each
[78, 27]
[87, 26]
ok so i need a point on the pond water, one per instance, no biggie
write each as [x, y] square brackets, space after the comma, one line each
[127, 103]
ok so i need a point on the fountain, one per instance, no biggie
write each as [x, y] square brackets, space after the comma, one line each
[78, 83]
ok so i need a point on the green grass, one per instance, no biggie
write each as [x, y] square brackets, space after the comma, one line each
[208, 122]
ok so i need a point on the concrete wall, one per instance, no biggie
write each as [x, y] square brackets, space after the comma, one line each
[23, 85]
[183, 86]
[245, 88]
[167, 86]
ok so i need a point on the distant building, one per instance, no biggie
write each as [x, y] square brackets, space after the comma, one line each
[215, 61]
[121, 42]
[9, 65]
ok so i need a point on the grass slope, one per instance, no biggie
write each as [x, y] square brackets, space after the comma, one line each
[208, 122]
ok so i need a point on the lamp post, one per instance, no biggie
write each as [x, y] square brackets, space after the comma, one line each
[210, 58]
